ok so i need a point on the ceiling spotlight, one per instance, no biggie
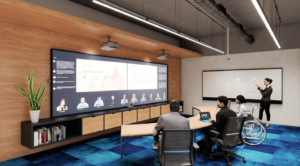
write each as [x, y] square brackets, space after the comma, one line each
[108, 46]
[163, 56]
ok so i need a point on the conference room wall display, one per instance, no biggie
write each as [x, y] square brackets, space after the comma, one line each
[83, 83]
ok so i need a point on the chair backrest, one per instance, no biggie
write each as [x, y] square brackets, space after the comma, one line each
[232, 134]
[229, 103]
[177, 147]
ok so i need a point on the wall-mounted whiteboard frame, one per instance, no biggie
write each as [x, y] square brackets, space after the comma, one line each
[248, 99]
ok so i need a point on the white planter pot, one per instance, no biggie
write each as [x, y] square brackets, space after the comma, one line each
[34, 115]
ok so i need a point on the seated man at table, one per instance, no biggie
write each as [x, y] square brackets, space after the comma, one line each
[172, 120]
[220, 123]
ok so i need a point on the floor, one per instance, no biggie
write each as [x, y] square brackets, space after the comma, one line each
[282, 147]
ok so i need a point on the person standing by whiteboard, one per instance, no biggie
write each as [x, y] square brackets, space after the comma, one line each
[266, 99]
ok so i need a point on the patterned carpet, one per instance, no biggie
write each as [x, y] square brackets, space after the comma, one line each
[282, 147]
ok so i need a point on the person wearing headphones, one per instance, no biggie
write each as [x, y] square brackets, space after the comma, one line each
[240, 100]
[265, 100]
[172, 120]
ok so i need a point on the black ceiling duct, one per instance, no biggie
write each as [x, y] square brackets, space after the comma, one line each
[219, 12]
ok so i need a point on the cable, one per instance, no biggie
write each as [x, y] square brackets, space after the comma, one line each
[175, 14]
[212, 38]
[277, 10]
[197, 24]
[143, 7]
[180, 15]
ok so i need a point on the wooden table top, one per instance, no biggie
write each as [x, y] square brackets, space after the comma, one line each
[134, 130]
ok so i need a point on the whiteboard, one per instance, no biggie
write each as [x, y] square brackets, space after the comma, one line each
[232, 83]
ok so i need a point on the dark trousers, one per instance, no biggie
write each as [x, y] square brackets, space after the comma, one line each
[264, 106]
[209, 134]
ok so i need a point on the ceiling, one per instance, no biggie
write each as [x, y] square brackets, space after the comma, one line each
[182, 16]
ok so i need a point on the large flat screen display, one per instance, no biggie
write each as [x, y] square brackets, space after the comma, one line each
[84, 83]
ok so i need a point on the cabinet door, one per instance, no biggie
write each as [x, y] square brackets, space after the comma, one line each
[155, 111]
[92, 124]
[113, 120]
[129, 117]
[165, 109]
[143, 114]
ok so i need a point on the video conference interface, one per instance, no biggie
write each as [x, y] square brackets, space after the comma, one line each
[84, 83]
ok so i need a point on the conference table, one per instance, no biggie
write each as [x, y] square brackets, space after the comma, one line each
[137, 130]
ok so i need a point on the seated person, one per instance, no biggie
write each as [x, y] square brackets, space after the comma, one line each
[134, 99]
[82, 104]
[62, 106]
[143, 99]
[98, 103]
[220, 124]
[242, 108]
[124, 101]
[172, 120]
[157, 98]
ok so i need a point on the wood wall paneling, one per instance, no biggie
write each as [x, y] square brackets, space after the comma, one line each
[28, 32]
[113, 120]
[129, 117]
[165, 109]
[143, 114]
[92, 124]
[155, 112]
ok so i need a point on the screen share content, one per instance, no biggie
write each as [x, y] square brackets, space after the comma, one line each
[83, 83]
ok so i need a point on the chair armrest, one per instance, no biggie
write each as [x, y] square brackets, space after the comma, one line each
[155, 146]
[248, 113]
[214, 132]
[196, 146]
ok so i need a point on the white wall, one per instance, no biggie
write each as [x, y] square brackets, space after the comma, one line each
[286, 114]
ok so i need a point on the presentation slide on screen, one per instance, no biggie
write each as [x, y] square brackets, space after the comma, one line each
[84, 83]
[142, 77]
[93, 76]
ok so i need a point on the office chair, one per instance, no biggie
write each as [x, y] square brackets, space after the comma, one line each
[177, 148]
[232, 137]
[229, 103]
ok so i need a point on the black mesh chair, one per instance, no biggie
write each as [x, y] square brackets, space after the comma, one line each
[231, 137]
[177, 148]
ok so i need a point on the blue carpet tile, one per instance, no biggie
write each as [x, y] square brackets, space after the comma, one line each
[281, 147]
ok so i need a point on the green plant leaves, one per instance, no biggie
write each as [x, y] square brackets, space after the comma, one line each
[22, 89]
[42, 93]
[33, 98]
[37, 92]
[30, 85]
[42, 103]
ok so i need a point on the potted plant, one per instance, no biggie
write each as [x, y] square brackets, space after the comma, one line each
[34, 98]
